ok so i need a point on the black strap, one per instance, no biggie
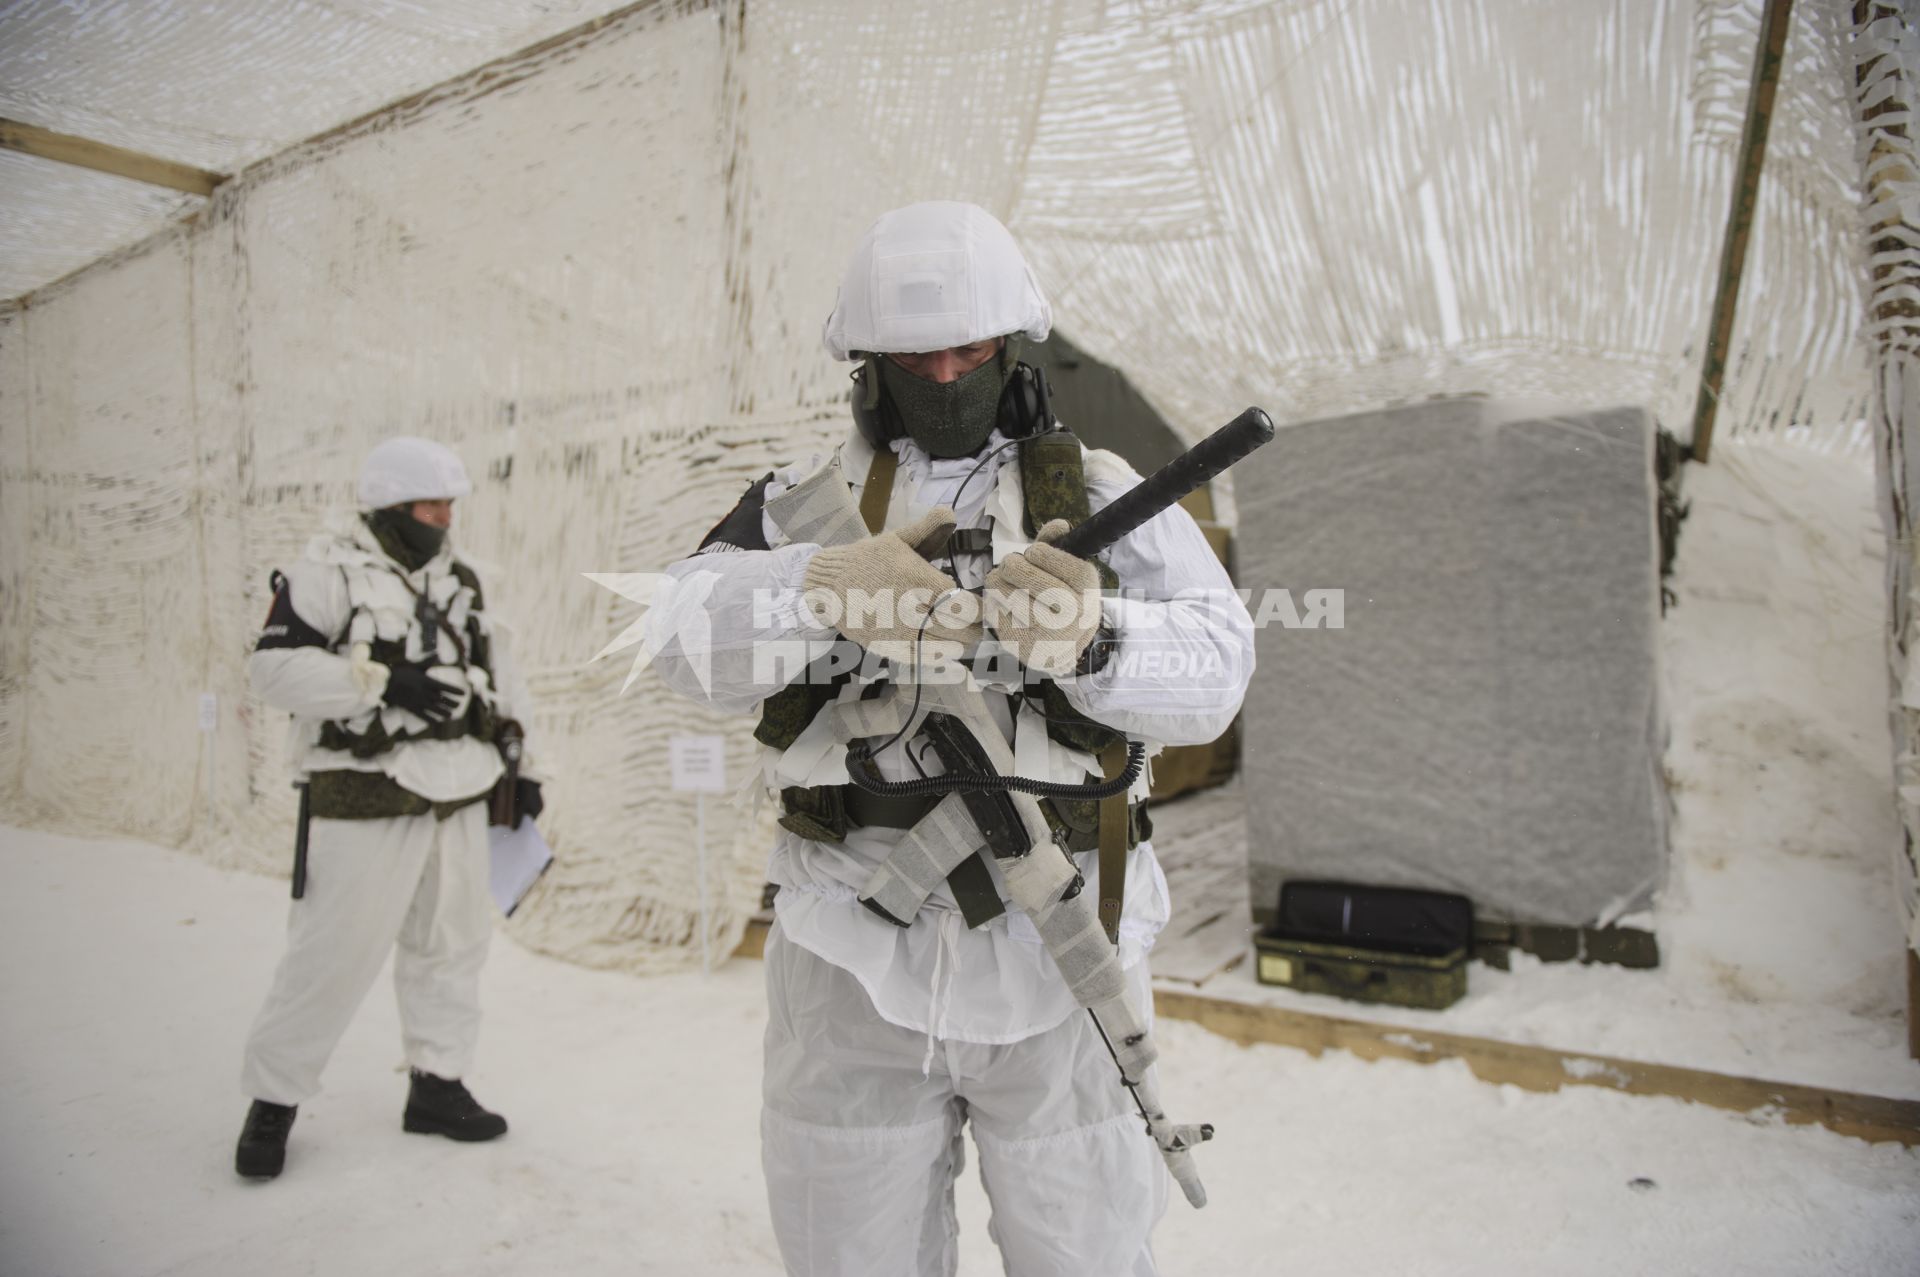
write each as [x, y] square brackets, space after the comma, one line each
[426, 608]
[300, 827]
[876, 810]
[970, 541]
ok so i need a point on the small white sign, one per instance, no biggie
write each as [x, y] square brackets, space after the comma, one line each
[699, 763]
[209, 711]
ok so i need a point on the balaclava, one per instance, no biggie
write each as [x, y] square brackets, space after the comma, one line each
[954, 419]
[408, 541]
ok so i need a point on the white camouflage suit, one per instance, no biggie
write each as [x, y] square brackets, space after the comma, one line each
[416, 882]
[882, 1041]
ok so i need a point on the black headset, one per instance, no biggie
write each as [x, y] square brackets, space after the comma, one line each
[1026, 406]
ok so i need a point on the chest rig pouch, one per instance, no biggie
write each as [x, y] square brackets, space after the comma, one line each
[438, 623]
[1053, 486]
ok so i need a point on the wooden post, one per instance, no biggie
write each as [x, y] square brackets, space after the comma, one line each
[1913, 1004]
[1888, 163]
[64, 148]
[1746, 189]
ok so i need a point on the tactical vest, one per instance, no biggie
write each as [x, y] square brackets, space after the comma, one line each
[452, 619]
[1054, 486]
[399, 624]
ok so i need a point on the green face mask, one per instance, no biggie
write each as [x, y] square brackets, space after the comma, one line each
[951, 420]
[408, 541]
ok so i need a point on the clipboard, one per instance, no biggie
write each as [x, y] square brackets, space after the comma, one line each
[518, 856]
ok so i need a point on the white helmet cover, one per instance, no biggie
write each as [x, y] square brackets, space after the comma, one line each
[404, 469]
[934, 275]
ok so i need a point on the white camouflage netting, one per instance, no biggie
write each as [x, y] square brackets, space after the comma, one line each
[1888, 87]
[599, 272]
[216, 85]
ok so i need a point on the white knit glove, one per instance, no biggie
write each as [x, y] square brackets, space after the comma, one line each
[878, 590]
[1044, 604]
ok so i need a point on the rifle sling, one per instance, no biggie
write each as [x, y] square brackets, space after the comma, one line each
[1113, 843]
[877, 491]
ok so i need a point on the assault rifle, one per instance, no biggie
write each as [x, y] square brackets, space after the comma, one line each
[1007, 818]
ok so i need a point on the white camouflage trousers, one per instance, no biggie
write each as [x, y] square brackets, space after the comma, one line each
[860, 1149]
[415, 886]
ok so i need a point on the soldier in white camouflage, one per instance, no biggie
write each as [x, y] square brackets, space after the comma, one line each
[904, 1004]
[400, 682]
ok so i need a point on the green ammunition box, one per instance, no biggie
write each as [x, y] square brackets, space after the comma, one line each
[1394, 945]
[1362, 975]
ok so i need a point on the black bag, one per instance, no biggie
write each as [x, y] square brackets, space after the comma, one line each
[1397, 945]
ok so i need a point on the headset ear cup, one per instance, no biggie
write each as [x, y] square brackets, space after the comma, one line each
[1024, 404]
[870, 410]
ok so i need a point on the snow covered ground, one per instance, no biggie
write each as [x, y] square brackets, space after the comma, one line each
[132, 973]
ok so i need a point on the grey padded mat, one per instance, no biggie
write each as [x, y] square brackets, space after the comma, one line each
[1488, 719]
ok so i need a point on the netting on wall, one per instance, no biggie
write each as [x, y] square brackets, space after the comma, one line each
[1418, 199]
[1887, 89]
[216, 85]
[601, 278]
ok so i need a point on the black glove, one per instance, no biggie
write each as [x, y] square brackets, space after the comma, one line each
[410, 687]
[527, 802]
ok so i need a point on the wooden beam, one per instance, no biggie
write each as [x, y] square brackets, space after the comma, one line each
[1913, 1004]
[753, 941]
[1533, 1068]
[1539, 1068]
[499, 75]
[1746, 188]
[30, 139]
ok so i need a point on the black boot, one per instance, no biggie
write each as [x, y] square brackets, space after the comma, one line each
[263, 1140]
[441, 1106]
